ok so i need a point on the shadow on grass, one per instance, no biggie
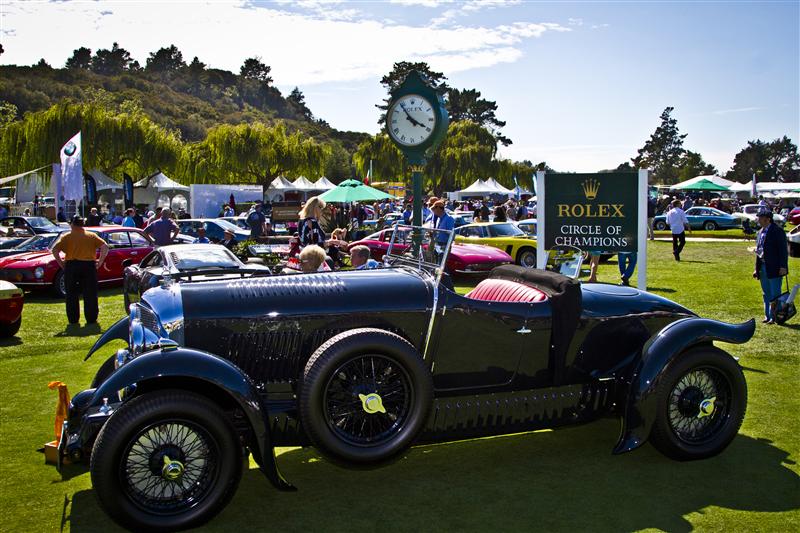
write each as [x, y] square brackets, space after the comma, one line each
[78, 331]
[661, 289]
[562, 480]
[755, 370]
[10, 341]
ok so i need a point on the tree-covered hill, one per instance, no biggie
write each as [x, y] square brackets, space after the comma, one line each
[189, 99]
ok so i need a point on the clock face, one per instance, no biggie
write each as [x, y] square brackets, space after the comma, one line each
[411, 120]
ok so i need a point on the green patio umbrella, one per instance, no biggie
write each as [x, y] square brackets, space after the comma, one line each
[701, 185]
[353, 191]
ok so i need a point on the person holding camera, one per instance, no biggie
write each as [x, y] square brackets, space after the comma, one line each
[772, 261]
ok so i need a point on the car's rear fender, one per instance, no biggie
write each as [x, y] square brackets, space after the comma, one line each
[206, 374]
[666, 346]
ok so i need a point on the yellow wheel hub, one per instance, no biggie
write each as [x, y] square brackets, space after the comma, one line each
[706, 407]
[372, 403]
[172, 470]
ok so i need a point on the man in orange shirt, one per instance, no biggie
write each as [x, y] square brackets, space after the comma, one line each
[80, 269]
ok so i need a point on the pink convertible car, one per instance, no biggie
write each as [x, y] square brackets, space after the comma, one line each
[463, 258]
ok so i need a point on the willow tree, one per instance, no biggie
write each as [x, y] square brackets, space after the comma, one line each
[466, 154]
[255, 153]
[112, 141]
[387, 161]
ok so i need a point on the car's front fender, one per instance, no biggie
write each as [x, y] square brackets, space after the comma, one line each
[211, 372]
[658, 353]
[118, 331]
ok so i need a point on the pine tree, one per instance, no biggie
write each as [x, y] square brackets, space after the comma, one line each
[663, 152]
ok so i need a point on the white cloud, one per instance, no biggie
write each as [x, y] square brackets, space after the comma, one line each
[737, 110]
[421, 3]
[302, 49]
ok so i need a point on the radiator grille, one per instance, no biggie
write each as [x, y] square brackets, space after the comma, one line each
[149, 319]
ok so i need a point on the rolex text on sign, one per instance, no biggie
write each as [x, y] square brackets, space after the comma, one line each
[594, 212]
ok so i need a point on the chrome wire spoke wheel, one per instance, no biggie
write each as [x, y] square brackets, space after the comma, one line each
[169, 467]
[699, 404]
[368, 399]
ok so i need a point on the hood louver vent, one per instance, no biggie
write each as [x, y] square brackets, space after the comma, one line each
[299, 285]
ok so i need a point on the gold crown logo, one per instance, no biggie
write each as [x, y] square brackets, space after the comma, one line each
[590, 188]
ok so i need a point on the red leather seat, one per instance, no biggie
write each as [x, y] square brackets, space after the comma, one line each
[503, 290]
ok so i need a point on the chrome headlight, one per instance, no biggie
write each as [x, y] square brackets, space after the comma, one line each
[38, 273]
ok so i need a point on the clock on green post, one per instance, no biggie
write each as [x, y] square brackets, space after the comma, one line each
[416, 122]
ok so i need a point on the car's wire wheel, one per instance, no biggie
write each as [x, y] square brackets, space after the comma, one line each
[699, 404]
[169, 466]
[365, 396]
[352, 395]
[166, 460]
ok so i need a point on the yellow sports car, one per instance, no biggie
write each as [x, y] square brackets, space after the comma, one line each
[505, 236]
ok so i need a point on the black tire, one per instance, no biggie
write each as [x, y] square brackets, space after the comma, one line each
[10, 329]
[660, 225]
[710, 225]
[526, 257]
[59, 286]
[700, 374]
[188, 426]
[105, 370]
[337, 377]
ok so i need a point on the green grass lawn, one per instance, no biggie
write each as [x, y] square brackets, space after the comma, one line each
[565, 480]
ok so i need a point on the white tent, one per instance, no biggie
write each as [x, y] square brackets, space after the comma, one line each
[766, 186]
[160, 191]
[160, 182]
[303, 184]
[323, 184]
[499, 189]
[518, 191]
[103, 182]
[478, 188]
[281, 184]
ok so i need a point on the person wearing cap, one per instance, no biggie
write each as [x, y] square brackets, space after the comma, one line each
[164, 230]
[80, 269]
[229, 241]
[772, 261]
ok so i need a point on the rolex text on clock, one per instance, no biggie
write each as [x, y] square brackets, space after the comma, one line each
[411, 120]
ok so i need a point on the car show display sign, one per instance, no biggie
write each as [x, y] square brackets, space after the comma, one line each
[603, 212]
[591, 211]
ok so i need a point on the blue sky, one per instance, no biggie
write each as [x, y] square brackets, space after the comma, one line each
[581, 84]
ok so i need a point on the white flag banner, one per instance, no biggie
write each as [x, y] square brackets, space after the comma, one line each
[72, 169]
[753, 188]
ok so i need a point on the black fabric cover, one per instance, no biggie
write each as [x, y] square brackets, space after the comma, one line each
[565, 299]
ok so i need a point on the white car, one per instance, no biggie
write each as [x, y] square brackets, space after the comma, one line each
[750, 211]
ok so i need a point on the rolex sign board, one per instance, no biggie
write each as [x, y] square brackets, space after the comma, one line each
[593, 212]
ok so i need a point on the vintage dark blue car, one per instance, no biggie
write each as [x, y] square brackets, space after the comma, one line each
[364, 364]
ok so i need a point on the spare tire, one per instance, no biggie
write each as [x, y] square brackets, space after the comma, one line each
[365, 396]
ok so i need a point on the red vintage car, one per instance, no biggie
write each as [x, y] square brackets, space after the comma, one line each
[463, 258]
[39, 270]
[11, 302]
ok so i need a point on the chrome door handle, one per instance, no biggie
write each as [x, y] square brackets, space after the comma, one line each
[134, 253]
[523, 330]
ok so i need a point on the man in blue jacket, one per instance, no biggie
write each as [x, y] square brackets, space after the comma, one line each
[772, 261]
